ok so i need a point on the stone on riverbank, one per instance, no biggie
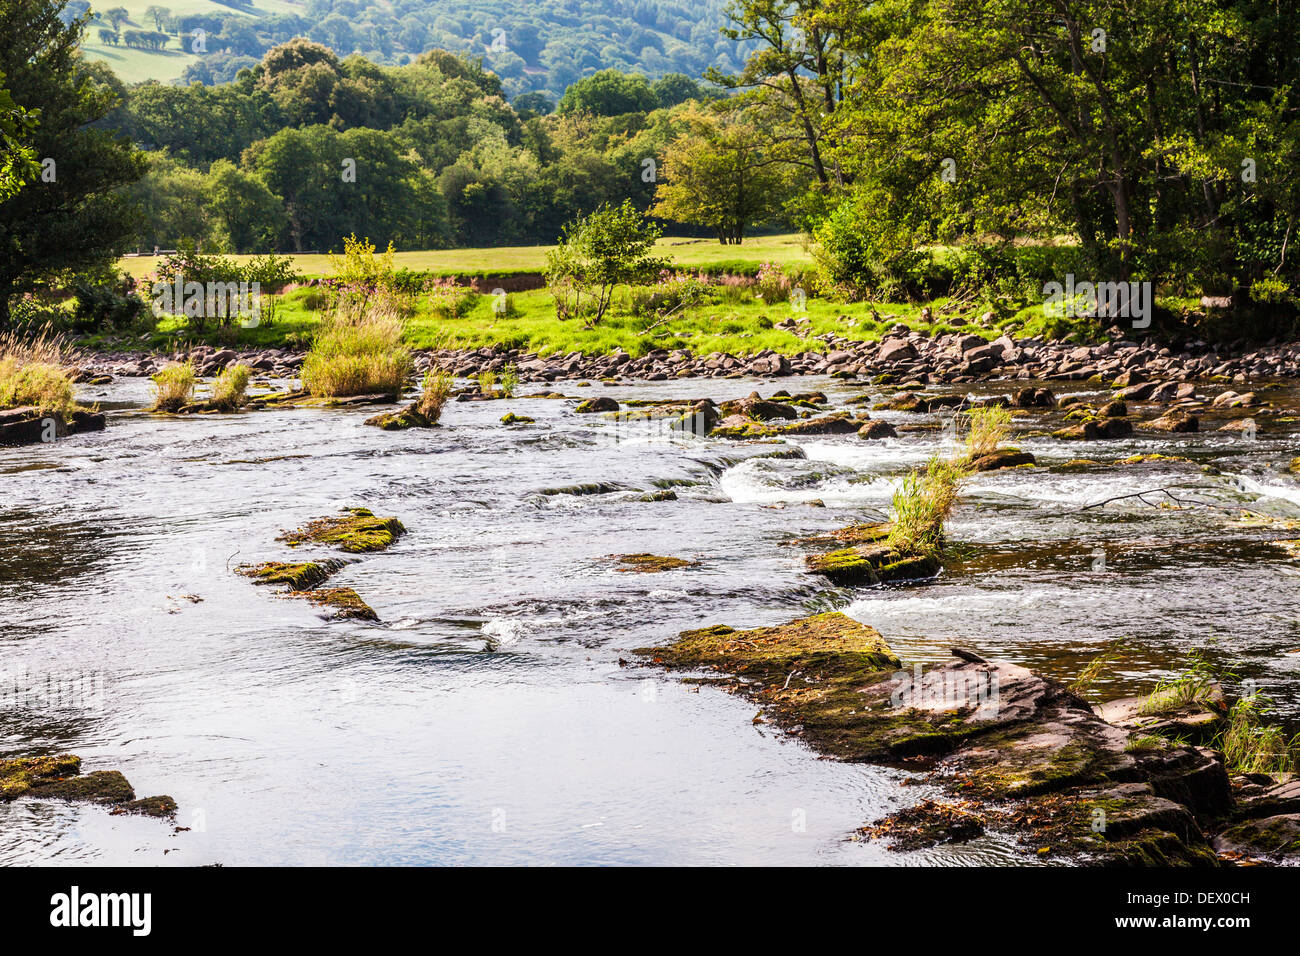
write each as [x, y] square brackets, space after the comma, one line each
[1002, 458]
[345, 603]
[602, 404]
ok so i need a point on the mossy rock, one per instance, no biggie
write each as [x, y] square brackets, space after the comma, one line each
[356, 531]
[858, 533]
[300, 577]
[510, 418]
[875, 563]
[344, 602]
[832, 642]
[409, 417]
[60, 778]
[602, 404]
[1276, 838]
[652, 563]
[652, 496]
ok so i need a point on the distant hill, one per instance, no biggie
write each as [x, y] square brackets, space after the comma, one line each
[539, 45]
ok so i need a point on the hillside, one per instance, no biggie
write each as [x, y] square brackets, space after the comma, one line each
[543, 46]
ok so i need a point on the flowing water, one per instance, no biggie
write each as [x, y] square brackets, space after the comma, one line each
[489, 718]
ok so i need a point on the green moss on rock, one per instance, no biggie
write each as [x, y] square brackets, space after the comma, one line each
[652, 563]
[356, 531]
[300, 577]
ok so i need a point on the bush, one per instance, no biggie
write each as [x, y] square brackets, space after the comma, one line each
[358, 351]
[509, 381]
[106, 300]
[173, 387]
[229, 388]
[32, 372]
[596, 254]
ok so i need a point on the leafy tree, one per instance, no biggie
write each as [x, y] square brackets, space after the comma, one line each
[74, 215]
[721, 175]
[674, 88]
[609, 93]
[597, 254]
[159, 15]
[17, 160]
[247, 216]
[117, 16]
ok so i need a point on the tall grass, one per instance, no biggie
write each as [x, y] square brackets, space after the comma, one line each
[434, 393]
[228, 391]
[173, 387]
[1251, 745]
[922, 505]
[1103, 662]
[487, 381]
[358, 351]
[986, 430]
[33, 372]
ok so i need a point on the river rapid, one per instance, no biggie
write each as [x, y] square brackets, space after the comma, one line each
[496, 715]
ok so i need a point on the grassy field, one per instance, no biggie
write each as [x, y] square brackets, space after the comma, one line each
[785, 250]
[134, 66]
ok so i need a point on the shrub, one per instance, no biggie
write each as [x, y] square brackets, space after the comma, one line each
[434, 392]
[596, 254]
[106, 300]
[509, 381]
[173, 387]
[922, 505]
[229, 388]
[357, 351]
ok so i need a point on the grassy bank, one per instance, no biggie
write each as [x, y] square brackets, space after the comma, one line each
[784, 250]
[744, 327]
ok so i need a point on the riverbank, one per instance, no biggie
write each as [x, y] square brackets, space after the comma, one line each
[903, 355]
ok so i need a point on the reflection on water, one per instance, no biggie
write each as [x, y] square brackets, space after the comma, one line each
[488, 719]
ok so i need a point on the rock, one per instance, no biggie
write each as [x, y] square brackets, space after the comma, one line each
[409, 417]
[651, 563]
[871, 564]
[896, 350]
[357, 530]
[60, 778]
[1096, 429]
[877, 429]
[1113, 409]
[1003, 458]
[1175, 420]
[27, 425]
[344, 603]
[1137, 393]
[1034, 398]
[602, 404]
[770, 365]
[299, 577]
[1276, 838]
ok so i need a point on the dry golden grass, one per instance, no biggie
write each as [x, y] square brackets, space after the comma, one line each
[229, 388]
[173, 387]
[358, 351]
[434, 394]
[34, 371]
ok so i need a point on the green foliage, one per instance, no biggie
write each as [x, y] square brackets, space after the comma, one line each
[610, 247]
[358, 351]
[173, 387]
[1251, 744]
[229, 387]
[79, 217]
[609, 93]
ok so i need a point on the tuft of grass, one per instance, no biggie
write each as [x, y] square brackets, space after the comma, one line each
[986, 430]
[434, 392]
[921, 507]
[33, 372]
[358, 351]
[229, 388]
[487, 381]
[1099, 665]
[1251, 745]
[173, 387]
[1193, 686]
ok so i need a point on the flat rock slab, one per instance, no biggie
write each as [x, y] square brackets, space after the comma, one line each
[1274, 839]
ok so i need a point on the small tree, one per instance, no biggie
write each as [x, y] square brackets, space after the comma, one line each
[117, 16]
[159, 15]
[597, 254]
